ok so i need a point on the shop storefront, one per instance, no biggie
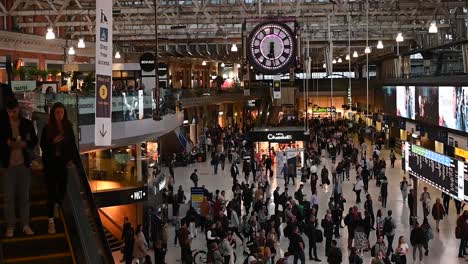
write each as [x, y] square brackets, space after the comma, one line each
[282, 144]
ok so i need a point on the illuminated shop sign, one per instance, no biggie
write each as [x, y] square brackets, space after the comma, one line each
[122, 196]
[279, 136]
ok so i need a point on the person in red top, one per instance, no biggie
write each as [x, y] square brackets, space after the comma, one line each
[185, 243]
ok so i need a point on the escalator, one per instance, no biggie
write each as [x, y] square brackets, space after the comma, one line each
[42, 247]
[80, 236]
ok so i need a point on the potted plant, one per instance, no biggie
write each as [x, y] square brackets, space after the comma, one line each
[54, 73]
[32, 73]
[43, 74]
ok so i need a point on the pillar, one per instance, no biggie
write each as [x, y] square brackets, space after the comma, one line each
[138, 162]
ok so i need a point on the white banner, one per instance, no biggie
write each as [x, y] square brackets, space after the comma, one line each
[103, 106]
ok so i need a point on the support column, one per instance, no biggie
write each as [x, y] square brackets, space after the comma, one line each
[139, 176]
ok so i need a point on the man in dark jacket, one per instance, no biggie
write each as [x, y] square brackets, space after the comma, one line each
[335, 256]
[276, 199]
[234, 171]
[17, 140]
[327, 225]
[311, 232]
[417, 239]
[296, 245]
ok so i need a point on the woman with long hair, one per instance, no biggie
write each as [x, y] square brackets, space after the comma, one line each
[401, 251]
[59, 152]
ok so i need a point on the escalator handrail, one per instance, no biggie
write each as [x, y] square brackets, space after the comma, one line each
[93, 208]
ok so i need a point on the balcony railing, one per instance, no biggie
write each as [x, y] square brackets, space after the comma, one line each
[81, 109]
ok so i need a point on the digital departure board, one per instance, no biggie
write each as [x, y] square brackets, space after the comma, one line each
[443, 172]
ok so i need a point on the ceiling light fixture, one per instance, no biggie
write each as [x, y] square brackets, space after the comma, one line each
[367, 50]
[238, 65]
[340, 60]
[334, 61]
[71, 51]
[81, 43]
[347, 57]
[399, 37]
[433, 28]
[234, 48]
[324, 66]
[203, 63]
[380, 45]
[117, 55]
[222, 65]
[50, 33]
[355, 54]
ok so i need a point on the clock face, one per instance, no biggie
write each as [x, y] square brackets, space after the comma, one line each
[271, 48]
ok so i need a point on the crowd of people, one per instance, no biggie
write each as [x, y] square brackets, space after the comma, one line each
[251, 214]
[256, 217]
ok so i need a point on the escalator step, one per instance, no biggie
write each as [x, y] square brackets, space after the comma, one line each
[39, 224]
[59, 258]
[34, 246]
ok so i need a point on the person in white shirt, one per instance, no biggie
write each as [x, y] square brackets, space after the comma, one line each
[358, 186]
[314, 200]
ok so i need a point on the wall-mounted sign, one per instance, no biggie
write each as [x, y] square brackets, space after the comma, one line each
[279, 136]
[121, 196]
[147, 62]
[271, 135]
[23, 86]
[324, 110]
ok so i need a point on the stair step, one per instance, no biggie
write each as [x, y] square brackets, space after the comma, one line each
[34, 246]
[37, 208]
[39, 224]
[59, 258]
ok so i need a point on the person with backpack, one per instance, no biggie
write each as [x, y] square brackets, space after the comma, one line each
[379, 250]
[389, 231]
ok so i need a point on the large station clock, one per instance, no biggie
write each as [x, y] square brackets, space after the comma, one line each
[271, 48]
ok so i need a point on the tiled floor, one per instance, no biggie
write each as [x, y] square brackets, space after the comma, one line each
[444, 247]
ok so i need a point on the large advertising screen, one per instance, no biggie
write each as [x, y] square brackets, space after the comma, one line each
[406, 102]
[427, 104]
[445, 106]
[452, 107]
[390, 100]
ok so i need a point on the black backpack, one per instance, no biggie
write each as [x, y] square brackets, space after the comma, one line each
[387, 226]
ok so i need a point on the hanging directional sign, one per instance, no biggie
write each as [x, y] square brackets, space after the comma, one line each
[103, 125]
[277, 87]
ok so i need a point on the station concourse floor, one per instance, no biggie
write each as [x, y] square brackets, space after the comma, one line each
[442, 249]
